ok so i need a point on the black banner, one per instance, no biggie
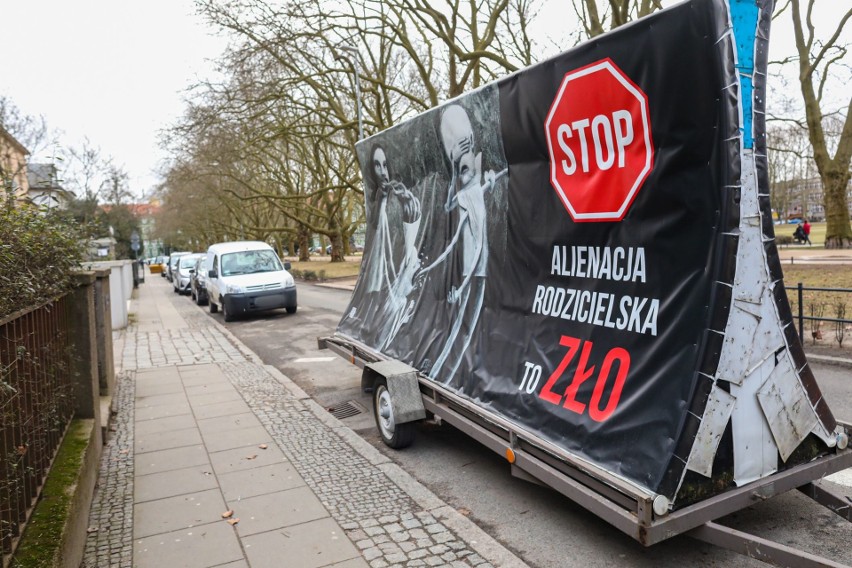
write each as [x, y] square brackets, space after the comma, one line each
[551, 246]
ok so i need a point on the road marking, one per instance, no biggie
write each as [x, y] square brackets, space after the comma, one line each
[314, 359]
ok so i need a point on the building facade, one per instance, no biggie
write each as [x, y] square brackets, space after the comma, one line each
[13, 165]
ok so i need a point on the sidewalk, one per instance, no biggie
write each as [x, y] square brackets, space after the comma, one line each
[203, 427]
[804, 254]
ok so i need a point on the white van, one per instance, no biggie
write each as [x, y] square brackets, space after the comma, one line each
[247, 276]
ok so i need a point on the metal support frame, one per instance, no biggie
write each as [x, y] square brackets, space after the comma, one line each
[626, 506]
[759, 548]
[842, 506]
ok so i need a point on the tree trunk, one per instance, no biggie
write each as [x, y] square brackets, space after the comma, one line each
[337, 248]
[833, 172]
[838, 232]
[304, 245]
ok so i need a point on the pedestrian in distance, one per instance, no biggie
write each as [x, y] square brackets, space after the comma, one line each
[806, 229]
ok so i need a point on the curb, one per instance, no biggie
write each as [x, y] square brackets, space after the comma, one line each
[484, 544]
[829, 360]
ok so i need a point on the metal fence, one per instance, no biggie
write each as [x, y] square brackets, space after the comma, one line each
[814, 310]
[36, 406]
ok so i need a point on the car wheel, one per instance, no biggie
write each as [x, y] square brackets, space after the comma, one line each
[213, 308]
[396, 436]
[226, 314]
[291, 309]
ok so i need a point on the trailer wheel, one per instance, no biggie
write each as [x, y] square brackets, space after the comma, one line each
[396, 436]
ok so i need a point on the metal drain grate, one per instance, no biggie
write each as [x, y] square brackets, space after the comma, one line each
[346, 410]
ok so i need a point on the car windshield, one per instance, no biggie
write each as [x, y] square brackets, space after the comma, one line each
[249, 262]
[188, 261]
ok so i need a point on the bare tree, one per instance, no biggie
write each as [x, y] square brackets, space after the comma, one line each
[28, 131]
[87, 170]
[817, 59]
[449, 47]
[290, 127]
[784, 145]
[599, 16]
[31, 131]
[115, 187]
[840, 325]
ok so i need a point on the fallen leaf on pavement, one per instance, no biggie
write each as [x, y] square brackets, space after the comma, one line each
[463, 511]
[92, 529]
[228, 513]
[232, 522]
[263, 446]
[251, 457]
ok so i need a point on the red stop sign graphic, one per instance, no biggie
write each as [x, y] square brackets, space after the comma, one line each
[599, 141]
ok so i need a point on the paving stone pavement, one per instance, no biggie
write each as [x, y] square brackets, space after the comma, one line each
[203, 427]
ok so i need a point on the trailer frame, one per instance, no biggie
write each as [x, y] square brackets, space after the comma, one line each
[636, 512]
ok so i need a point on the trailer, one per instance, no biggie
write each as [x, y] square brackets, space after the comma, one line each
[576, 266]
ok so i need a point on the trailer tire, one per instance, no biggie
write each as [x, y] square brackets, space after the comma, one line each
[396, 436]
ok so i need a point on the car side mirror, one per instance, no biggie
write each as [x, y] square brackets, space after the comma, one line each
[287, 265]
[192, 271]
[212, 274]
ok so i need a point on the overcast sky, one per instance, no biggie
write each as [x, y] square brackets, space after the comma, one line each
[114, 71]
[117, 71]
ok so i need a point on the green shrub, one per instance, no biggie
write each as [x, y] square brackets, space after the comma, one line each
[38, 252]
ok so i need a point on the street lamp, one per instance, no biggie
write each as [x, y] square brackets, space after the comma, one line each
[353, 61]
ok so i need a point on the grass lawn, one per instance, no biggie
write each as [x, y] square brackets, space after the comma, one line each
[321, 268]
[817, 232]
[820, 304]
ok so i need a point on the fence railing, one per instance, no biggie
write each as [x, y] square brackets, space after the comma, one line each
[36, 406]
[817, 308]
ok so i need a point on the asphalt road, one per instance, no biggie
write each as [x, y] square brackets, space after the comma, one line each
[543, 527]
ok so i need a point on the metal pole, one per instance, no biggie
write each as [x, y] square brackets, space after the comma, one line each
[801, 314]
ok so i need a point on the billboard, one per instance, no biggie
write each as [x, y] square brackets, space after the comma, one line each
[586, 249]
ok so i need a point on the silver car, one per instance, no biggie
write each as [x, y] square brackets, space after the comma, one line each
[171, 264]
[181, 274]
[198, 281]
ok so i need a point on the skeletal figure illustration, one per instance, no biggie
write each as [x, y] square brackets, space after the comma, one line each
[467, 193]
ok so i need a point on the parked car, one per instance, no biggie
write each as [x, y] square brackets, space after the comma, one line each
[198, 281]
[171, 265]
[181, 274]
[247, 276]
